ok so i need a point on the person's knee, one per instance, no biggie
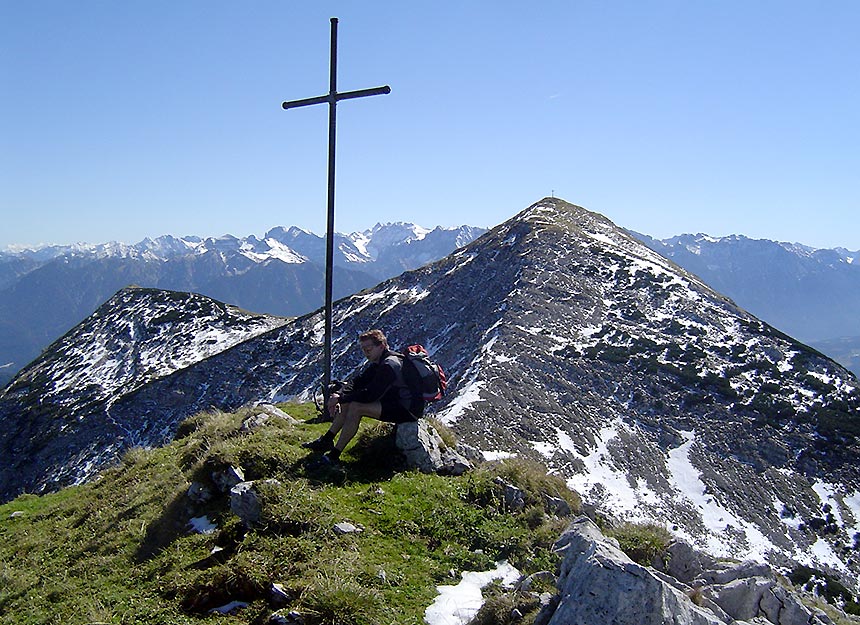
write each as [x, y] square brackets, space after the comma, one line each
[353, 414]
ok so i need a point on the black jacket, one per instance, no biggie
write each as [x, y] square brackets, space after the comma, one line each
[383, 382]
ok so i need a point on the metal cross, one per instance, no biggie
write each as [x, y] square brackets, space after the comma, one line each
[332, 99]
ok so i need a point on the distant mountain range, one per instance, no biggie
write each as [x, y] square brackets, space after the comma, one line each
[47, 291]
[566, 340]
[810, 294]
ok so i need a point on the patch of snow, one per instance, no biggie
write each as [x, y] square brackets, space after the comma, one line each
[497, 455]
[823, 552]
[600, 237]
[716, 518]
[457, 605]
[202, 525]
[606, 483]
[852, 502]
[792, 522]
[827, 495]
[361, 241]
[565, 441]
[470, 394]
[543, 448]
[467, 258]
[283, 253]
[487, 348]
[226, 609]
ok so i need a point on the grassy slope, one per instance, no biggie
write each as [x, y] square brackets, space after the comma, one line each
[119, 550]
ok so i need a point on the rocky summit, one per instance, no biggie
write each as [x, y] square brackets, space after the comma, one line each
[566, 340]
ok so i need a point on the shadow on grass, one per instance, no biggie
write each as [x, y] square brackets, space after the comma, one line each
[373, 458]
[172, 524]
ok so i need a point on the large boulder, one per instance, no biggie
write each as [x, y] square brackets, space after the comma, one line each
[600, 584]
[425, 450]
[758, 597]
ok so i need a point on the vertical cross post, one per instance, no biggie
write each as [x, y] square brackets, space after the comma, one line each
[332, 99]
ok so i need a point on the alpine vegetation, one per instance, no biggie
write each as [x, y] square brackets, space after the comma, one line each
[565, 341]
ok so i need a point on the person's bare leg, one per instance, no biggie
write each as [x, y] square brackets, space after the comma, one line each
[352, 414]
[337, 422]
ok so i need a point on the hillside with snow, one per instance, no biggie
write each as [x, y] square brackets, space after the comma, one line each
[568, 341]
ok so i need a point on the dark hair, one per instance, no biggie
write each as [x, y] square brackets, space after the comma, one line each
[377, 336]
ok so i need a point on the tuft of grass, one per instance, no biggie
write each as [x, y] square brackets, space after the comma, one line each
[337, 598]
[507, 607]
[642, 542]
[445, 433]
[529, 476]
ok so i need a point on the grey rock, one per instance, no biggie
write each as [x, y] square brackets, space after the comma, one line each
[245, 501]
[683, 562]
[732, 572]
[515, 498]
[279, 595]
[424, 449]
[274, 411]
[225, 479]
[470, 453]
[761, 597]
[291, 618]
[556, 505]
[345, 527]
[254, 422]
[17, 514]
[600, 584]
[548, 604]
[741, 598]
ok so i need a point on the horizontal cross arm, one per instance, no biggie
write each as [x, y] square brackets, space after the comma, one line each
[306, 102]
[348, 95]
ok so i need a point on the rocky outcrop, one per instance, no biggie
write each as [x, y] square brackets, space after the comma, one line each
[424, 449]
[599, 583]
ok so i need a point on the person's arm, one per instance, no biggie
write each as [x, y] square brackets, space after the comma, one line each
[376, 381]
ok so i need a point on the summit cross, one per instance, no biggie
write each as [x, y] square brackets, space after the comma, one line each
[332, 99]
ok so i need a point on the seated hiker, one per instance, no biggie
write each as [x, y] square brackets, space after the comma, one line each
[378, 391]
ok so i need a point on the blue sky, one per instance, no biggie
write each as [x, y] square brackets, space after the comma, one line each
[121, 120]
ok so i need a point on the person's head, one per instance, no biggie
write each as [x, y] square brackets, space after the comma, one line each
[373, 344]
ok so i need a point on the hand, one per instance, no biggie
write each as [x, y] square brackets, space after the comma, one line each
[333, 404]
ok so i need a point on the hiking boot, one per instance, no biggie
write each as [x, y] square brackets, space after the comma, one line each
[329, 460]
[322, 444]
